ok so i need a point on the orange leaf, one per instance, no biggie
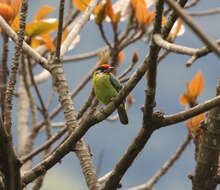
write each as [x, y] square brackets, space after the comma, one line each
[110, 11]
[7, 12]
[194, 89]
[6, 2]
[43, 12]
[196, 86]
[121, 56]
[16, 5]
[175, 30]
[141, 11]
[183, 99]
[81, 5]
[130, 100]
[150, 18]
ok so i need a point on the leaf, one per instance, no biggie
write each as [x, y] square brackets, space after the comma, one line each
[141, 11]
[15, 23]
[48, 42]
[183, 100]
[120, 58]
[16, 5]
[194, 88]
[130, 100]
[109, 10]
[123, 7]
[193, 124]
[177, 30]
[37, 28]
[7, 12]
[43, 12]
[81, 5]
[150, 19]
[8, 2]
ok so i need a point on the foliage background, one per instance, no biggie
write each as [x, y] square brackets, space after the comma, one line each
[113, 138]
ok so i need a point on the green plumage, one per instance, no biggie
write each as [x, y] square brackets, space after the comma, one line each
[106, 86]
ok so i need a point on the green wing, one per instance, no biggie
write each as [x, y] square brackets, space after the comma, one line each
[115, 83]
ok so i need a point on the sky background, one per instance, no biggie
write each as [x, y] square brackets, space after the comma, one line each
[114, 138]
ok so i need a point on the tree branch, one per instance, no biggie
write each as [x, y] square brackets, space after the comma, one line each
[163, 170]
[194, 27]
[207, 163]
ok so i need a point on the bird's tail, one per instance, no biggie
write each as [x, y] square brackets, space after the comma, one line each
[122, 114]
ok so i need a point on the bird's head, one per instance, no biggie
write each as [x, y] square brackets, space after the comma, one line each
[104, 68]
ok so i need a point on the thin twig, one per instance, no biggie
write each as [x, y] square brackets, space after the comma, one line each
[205, 13]
[173, 47]
[78, 24]
[60, 28]
[163, 170]
[194, 27]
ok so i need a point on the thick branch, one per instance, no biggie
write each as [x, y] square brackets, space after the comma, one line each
[207, 163]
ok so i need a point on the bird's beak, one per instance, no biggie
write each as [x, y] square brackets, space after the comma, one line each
[110, 69]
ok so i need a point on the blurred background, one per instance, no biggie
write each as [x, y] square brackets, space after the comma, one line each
[109, 140]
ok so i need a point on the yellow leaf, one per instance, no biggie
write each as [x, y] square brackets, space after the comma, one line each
[43, 12]
[48, 42]
[37, 28]
[45, 39]
[35, 42]
[15, 23]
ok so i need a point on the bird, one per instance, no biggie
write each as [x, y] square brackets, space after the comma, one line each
[107, 86]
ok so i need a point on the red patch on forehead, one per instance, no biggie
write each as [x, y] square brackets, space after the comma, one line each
[106, 66]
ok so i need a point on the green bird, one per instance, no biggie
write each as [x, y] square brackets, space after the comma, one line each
[106, 86]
